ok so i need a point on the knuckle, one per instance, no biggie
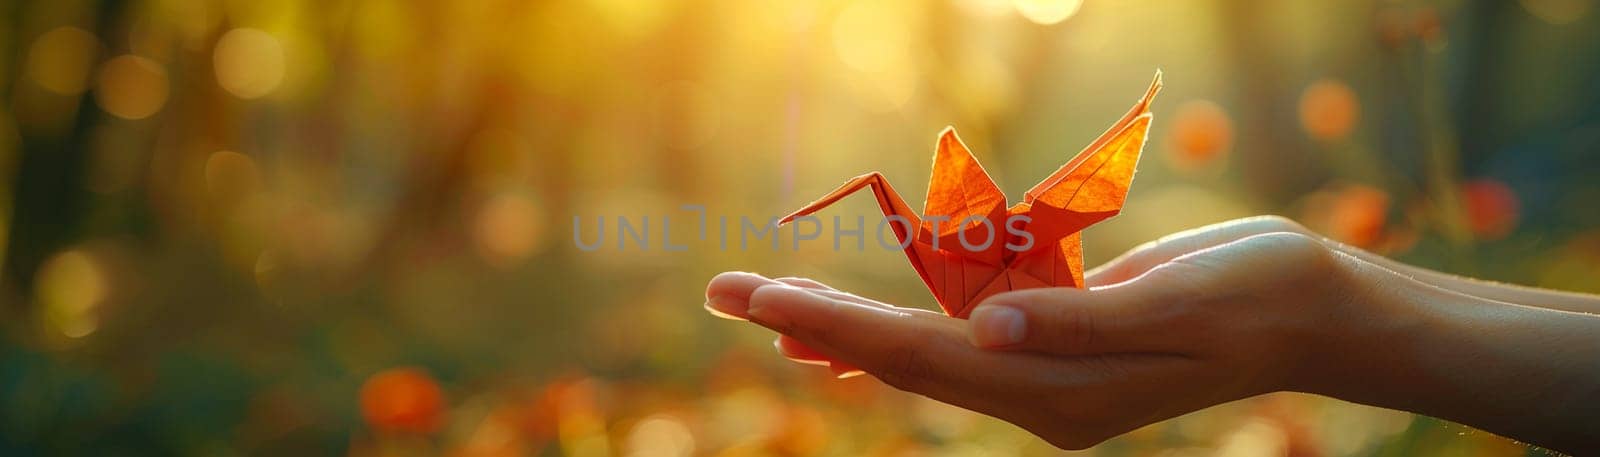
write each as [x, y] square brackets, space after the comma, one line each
[910, 362]
[1299, 249]
[1131, 267]
[1295, 242]
[1183, 279]
[1276, 223]
[810, 333]
[905, 367]
[1075, 327]
[1146, 247]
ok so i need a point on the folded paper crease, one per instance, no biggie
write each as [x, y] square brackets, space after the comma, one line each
[963, 201]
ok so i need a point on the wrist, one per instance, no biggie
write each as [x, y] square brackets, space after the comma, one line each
[1368, 332]
[1382, 347]
[1521, 371]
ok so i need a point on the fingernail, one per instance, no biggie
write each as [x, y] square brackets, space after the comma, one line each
[793, 356]
[771, 305]
[728, 307]
[996, 326]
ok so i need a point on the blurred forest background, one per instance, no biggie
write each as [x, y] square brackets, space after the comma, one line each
[299, 227]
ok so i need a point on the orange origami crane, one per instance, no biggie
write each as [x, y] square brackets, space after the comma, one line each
[984, 248]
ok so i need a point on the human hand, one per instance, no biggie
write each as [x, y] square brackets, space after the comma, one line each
[1196, 319]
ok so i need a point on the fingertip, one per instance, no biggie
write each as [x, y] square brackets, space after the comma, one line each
[728, 294]
[798, 353]
[734, 283]
[776, 305]
[997, 326]
[726, 308]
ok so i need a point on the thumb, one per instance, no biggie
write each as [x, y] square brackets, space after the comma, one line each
[1072, 321]
[1162, 310]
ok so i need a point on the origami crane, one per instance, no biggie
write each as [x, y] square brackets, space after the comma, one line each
[982, 247]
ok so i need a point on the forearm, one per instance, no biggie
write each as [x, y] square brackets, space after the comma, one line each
[1525, 372]
[1509, 293]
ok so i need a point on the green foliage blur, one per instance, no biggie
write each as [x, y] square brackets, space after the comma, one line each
[293, 227]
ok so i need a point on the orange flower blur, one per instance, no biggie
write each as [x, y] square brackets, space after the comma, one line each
[1492, 208]
[1359, 214]
[1356, 214]
[1201, 133]
[402, 400]
[1329, 110]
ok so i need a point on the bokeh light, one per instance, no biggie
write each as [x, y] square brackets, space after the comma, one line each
[1047, 12]
[402, 400]
[660, 436]
[1329, 110]
[72, 285]
[1492, 208]
[1201, 134]
[872, 38]
[508, 228]
[230, 175]
[249, 63]
[868, 38]
[1352, 213]
[131, 87]
[60, 59]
